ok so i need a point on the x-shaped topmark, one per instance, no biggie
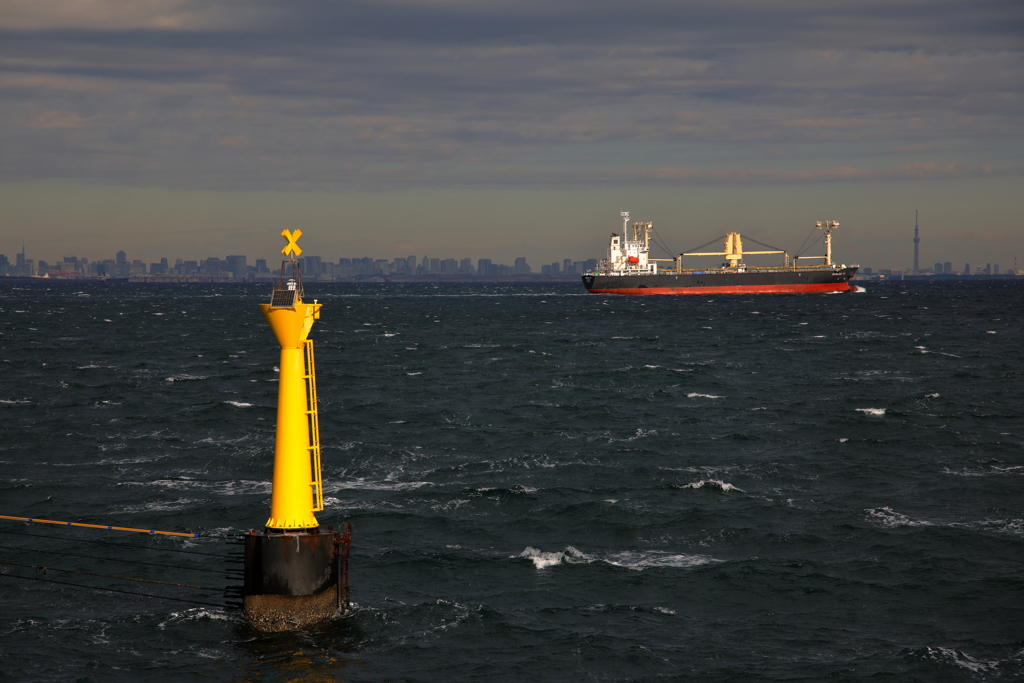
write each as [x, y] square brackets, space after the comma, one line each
[293, 237]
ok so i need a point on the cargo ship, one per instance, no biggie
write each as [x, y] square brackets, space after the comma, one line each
[629, 269]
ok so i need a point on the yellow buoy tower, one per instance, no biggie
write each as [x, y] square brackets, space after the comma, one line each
[295, 574]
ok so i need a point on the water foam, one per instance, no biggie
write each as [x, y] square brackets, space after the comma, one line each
[543, 560]
[874, 412]
[635, 560]
[947, 655]
[713, 485]
[696, 395]
[891, 519]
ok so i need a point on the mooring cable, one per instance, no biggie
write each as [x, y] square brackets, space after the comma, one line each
[113, 545]
[106, 527]
[114, 559]
[108, 576]
[110, 590]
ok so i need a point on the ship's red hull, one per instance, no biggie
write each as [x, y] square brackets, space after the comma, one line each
[723, 281]
[735, 289]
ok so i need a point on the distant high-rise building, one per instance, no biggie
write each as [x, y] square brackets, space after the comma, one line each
[312, 266]
[521, 267]
[449, 265]
[967, 269]
[121, 257]
[236, 264]
[435, 265]
[556, 268]
[988, 269]
[483, 266]
[568, 266]
[917, 239]
[466, 266]
[947, 268]
[938, 268]
[995, 269]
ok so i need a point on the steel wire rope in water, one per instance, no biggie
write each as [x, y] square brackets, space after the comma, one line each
[107, 576]
[113, 559]
[110, 590]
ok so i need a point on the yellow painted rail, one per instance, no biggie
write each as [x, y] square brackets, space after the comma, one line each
[99, 526]
[313, 416]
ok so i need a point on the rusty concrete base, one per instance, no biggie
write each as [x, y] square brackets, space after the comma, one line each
[286, 612]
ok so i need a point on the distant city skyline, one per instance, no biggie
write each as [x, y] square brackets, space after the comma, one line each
[436, 265]
[508, 128]
[311, 266]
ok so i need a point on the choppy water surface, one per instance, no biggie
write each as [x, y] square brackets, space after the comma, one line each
[543, 483]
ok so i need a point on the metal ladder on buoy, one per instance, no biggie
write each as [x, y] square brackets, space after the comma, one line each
[313, 419]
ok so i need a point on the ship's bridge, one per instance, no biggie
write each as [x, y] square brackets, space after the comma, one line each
[628, 253]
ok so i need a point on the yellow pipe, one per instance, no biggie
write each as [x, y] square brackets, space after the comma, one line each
[291, 500]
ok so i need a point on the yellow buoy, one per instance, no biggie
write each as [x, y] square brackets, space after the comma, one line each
[297, 488]
[295, 573]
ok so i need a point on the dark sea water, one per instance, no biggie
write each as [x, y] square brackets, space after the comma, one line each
[545, 485]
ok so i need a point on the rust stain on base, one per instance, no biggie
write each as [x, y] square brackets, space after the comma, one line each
[286, 612]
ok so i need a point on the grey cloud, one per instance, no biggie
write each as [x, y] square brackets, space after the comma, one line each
[322, 95]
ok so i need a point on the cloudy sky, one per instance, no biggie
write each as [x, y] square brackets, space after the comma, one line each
[499, 128]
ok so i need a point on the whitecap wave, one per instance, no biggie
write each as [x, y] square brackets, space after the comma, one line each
[696, 395]
[889, 518]
[638, 560]
[874, 412]
[238, 404]
[543, 560]
[947, 655]
[712, 484]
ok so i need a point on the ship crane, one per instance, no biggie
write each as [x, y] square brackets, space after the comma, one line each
[733, 252]
[828, 227]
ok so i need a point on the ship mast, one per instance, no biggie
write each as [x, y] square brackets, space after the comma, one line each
[828, 227]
